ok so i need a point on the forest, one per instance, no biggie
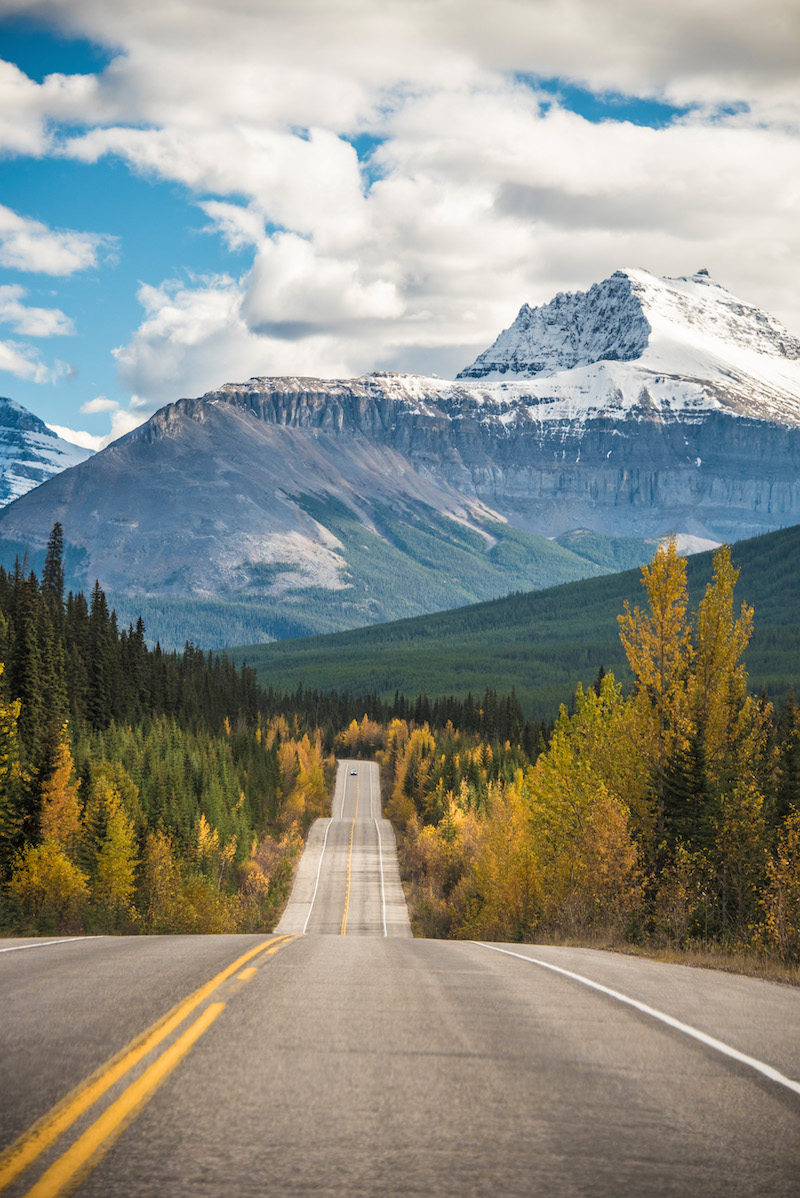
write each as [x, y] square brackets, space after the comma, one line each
[143, 791]
[540, 643]
[670, 815]
[139, 791]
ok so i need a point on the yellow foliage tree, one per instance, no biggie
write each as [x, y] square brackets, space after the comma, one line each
[114, 882]
[161, 885]
[782, 898]
[61, 812]
[580, 822]
[51, 889]
[733, 726]
[505, 890]
[659, 649]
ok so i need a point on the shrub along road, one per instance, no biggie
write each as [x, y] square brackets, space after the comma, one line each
[358, 1063]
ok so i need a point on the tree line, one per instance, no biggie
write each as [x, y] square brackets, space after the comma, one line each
[671, 814]
[139, 790]
[151, 791]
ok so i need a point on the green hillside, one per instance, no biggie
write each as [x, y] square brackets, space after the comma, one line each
[541, 643]
[400, 561]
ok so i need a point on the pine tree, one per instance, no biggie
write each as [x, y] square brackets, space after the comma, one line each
[98, 704]
[53, 575]
[12, 785]
[25, 676]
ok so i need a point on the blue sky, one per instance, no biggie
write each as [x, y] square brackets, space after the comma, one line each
[309, 188]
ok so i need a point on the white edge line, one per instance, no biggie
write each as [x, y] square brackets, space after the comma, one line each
[380, 858]
[316, 883]
[15, 948]
[687, 1030]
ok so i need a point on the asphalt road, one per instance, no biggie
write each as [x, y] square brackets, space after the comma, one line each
[372, 1064]
[348, 883]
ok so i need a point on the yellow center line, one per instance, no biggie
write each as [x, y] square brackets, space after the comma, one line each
[350, 860]
[24, 1151]
[247, 974]
[97, 1139]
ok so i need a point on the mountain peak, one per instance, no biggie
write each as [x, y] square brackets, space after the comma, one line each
[633, 316]
[30, 452]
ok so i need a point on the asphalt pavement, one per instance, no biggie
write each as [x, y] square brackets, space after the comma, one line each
[358, 1061]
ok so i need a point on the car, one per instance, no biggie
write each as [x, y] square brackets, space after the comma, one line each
[354, 771]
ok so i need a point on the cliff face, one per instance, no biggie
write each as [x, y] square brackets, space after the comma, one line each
[646, 472]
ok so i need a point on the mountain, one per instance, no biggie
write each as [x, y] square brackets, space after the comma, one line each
[288, 498]
[30, 452]
[541, 643]
[594, 425]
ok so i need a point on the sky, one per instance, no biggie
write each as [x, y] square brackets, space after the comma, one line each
[198, 191]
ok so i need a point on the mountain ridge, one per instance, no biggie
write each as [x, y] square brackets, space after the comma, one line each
[365, 499]
[30, 452]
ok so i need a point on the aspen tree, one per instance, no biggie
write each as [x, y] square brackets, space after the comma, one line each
[113, 883]
[50, 888]
[658, 646]
[61, 811]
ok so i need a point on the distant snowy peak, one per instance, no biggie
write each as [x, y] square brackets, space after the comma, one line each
[605, 323]
[676, 325]
[30, 452]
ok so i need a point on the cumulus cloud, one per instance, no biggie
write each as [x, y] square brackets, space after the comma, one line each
[25, 362]
[28, 321]
[194, 338]
[481, 191]
[26, 107]
[99, 404]
[299, 62]
[29, 245]
[79, 437]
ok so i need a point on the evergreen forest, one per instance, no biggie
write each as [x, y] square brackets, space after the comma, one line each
[144, 791]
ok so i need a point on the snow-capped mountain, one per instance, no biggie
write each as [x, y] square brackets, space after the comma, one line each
[635, 340]
[30, 452]
[644, 406]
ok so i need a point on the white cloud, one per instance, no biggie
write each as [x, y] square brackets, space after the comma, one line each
[195, 338]
[480, 194]
[78, 437]
[26, 107]
[29, 245]
[25, 362]
[99, 404]
[31, 322]
[237, 225]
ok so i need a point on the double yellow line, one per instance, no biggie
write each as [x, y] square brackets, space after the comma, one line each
[68, 1169]
[350, 859]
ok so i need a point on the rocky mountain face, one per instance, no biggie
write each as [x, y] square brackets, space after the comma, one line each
[30, 452]
[641, 407]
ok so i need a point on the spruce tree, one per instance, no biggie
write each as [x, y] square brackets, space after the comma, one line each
[53, 574]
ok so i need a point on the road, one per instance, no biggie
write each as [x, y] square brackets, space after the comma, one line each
[348, 882]
[375, 1064]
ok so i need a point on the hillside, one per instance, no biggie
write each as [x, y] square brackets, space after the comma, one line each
[540, 643]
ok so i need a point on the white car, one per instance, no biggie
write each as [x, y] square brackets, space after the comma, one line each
[354, 771]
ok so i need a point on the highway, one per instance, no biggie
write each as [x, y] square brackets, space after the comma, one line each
[354, 1060]
[348, 882]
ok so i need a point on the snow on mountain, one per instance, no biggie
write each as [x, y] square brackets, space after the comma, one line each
[30, 452]
[637, 344]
